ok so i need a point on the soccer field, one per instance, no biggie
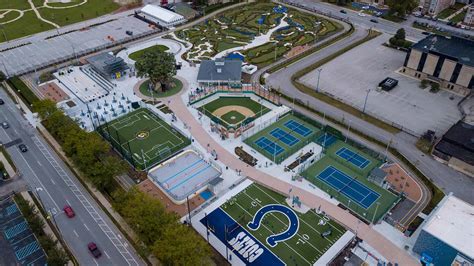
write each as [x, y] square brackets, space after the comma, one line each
[143, 138]
[288, 237]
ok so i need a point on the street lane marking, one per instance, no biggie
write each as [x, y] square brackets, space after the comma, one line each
[86, 204]
[74, 231]
[86, 227]
[105, 252]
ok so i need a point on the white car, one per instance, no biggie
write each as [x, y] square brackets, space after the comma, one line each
[361, 14]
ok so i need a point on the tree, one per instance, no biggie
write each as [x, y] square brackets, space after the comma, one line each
[103, 172]
[400, 35]
[45, 108]
[399, 39]
[176, 245]
[3, 77]
[401, 7]
[158, 66]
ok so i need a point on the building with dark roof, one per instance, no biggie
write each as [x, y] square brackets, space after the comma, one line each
[220, 72]
[456, 148]
[108, 65]
[448, 61]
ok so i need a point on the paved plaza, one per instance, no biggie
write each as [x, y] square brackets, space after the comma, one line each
[349, 76]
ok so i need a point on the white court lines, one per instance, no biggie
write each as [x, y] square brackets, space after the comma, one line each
[85, 202]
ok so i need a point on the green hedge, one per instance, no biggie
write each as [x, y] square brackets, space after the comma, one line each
[23, 91]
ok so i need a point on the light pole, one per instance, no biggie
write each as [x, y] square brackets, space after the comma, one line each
[348, 129]
[365, 101]
[4, 34]
[319, 75]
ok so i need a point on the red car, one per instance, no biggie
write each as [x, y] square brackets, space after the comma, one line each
[69, 212]
[94, 250]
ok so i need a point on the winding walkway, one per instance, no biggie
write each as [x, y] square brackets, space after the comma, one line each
[365, 232]
[38, 15]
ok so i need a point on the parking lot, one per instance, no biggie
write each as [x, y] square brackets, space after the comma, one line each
[18, 244]
[38, 51]
[351, 75]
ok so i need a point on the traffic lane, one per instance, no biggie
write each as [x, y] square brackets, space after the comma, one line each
[29, 166]
[383, 25]
[61, 194]
[42, 167]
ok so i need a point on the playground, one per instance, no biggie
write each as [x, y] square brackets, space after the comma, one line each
[19, 19]
[143, 138]
[282, 232]
[262, 32]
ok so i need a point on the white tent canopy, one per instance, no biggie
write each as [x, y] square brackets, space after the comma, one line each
[163, 16]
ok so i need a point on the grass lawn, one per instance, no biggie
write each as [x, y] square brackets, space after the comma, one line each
[450, 10]
[29, 24]
[304, 248]
[459, 17]
[176, 86]
[279, 147]
[386, 199]
[135, 55]
[89, 10]
[143, 138]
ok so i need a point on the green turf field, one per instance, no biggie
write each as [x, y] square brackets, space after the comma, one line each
[247, 102]
[288, 150]
[143, 138]
[386, 199]
[135, 55]
[61, 15]
[331, 151]
[305, 248]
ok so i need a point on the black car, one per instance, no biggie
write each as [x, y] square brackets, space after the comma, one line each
[374, 21]
[1, 102]
[425, 33]
[22, 148]
[343, 11]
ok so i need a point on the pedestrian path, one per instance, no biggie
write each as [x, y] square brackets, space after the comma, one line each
[365, 232]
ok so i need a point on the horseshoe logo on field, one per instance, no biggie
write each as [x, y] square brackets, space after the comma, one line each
[289, 213]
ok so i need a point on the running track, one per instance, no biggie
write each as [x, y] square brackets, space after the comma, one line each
[384, 246]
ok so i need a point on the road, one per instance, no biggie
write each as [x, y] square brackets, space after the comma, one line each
[445, 177]
[56, 186]
[382, 25]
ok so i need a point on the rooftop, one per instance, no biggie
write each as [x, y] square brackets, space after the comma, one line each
[459, 49]
[220, 70]
[459, 142]
[161, 13]
[107, 63]
[453, 223]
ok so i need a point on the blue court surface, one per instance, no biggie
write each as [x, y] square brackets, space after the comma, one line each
[269, 146]
[298, 128]
[348, 186]
[353, 157]
[326, 140]
[284, 136]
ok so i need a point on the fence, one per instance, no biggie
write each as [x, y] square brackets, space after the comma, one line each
[207, 91]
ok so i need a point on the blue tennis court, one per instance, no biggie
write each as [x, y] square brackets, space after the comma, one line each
[269, 146]
[284, 136]
[326, 140]
[298, 128]
[353, 157]
[349, 186]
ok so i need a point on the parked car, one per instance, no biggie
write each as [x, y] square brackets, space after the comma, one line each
[1, 102]
[374, 21]
[69, 211]
[425, 33]
[22, 148]
[94, 250]
[5, 125]
[343, 11]
[361, 14]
